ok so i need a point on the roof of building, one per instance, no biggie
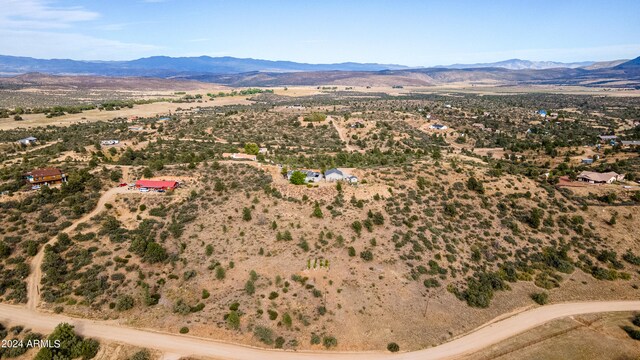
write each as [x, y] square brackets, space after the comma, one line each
[239, 156]
[607, 137]
[30, 138]
[597, 177]
[45, 172]
[308, 173]
[631, 142]
[157, 183]
[333, 171]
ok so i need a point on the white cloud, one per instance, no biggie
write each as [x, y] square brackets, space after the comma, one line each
[47, 45]
[39, 14]
[42, 29]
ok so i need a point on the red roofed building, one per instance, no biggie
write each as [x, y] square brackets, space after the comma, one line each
[157, 184]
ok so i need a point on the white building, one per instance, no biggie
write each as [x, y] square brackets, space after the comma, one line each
[28, 141]
[339, 175]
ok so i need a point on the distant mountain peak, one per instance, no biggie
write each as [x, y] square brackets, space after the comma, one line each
[520, 64]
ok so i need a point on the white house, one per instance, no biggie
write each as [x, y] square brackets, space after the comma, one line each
[339, 175]
[333, 175]
[28, 141]
[109, 142]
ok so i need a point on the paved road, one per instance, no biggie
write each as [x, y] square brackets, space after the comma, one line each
[175, 344]
[33, 281]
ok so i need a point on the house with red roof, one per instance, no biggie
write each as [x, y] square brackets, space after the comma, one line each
[157, 184]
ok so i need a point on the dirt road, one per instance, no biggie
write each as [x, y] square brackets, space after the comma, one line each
[186, 345]
[33, 281]
[343, 137]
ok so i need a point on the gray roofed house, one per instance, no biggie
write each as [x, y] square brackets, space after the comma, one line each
[607, 137]
[339, 175]
[631, 143]
[28, 140]
[334, 175]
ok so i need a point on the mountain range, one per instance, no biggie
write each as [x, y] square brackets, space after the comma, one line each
[518, 64]
[164, 66]
[251, 72]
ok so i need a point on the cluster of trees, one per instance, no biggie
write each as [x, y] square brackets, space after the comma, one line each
[72, 346]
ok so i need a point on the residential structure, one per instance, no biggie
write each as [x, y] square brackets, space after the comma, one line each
[333, 175]
[28, 141]
[339, 175]
[587, 161]
[630, 143]
[311, 176]
[605, 138]
[109, 142]
[600, 178]
[157, 184]
[438, 127]
[46, 176]
[240, 156]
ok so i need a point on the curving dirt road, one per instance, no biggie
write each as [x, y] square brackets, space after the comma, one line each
[187, 345]
[33, 281]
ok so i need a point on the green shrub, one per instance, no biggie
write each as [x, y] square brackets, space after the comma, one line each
[264, 334]
[141, 355]
[233, 320]
[393, 347]
[329, 341]
[431, 283]
[541, 298]
[124, 302]
[366, 255]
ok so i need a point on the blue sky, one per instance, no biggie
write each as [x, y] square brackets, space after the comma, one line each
[416, 33]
